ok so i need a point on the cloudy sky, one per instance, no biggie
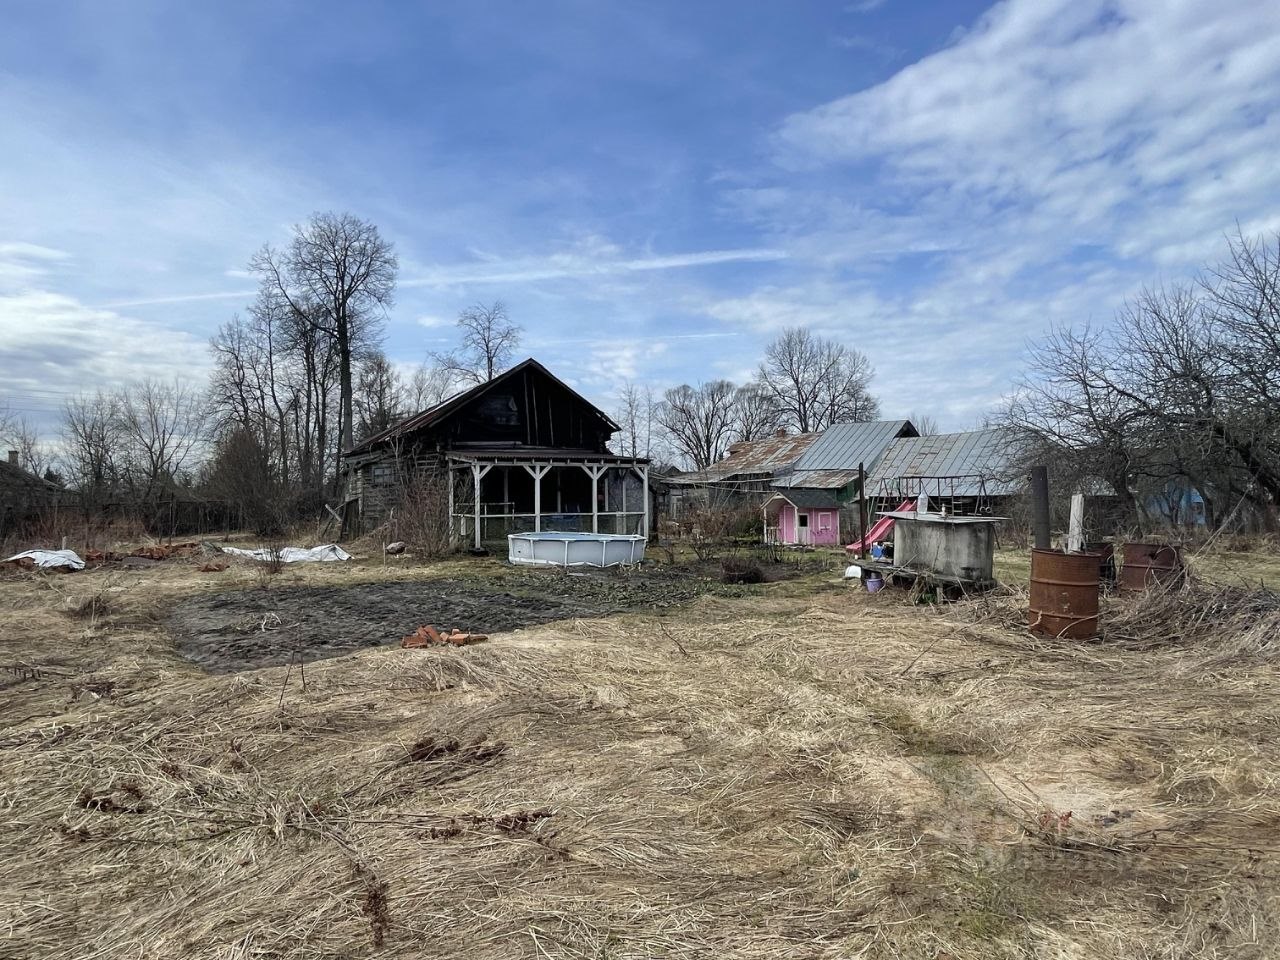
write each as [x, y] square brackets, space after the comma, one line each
[654, 188]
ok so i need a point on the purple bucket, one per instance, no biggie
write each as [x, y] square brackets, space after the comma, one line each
[874, 584]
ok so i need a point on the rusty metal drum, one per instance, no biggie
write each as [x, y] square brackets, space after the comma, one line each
[1064, 594]
[1148, 563]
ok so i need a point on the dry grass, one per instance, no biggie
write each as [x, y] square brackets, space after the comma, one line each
[804, 772]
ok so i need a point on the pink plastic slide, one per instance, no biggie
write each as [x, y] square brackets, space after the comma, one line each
[879, 529]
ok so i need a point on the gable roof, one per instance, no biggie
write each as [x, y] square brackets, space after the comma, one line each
[832, 461]
[441, 411]
[807, 499]
[980, 462]
[753, 458]
[13, 473]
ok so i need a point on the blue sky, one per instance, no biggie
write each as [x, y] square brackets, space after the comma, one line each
[654, 188]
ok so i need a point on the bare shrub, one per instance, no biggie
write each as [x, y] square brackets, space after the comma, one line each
[422, 513]
[719, 528]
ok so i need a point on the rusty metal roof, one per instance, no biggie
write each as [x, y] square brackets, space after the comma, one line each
[753, 458]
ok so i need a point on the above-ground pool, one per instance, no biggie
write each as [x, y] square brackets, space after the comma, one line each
[551, 549]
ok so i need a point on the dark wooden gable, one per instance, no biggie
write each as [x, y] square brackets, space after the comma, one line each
[528, 408]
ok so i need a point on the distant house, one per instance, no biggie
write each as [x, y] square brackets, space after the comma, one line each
[523, 452]
[742, 476]
[24, 495]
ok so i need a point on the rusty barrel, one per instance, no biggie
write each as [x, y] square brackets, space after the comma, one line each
[1148, 563]
[1064, 594]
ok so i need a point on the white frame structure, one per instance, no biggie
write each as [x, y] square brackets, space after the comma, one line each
[478, 466]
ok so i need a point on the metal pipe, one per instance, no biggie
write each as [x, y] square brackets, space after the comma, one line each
[1040, 507]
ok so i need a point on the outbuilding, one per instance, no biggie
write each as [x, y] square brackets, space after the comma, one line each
[802, 518]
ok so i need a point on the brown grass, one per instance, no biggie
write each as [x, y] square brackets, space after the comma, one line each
[807, 771]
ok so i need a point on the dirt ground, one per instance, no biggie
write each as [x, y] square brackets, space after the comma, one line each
[259, 628]
[795, 770]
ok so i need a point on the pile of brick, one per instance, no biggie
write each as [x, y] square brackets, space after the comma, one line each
[429, 636]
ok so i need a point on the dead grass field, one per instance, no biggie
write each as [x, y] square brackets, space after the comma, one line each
[789, 770]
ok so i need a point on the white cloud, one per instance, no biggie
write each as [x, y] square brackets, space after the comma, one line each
[1049, 161]
[52, 345]
[592, 263]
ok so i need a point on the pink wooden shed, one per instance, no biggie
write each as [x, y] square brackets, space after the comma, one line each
[801, 517]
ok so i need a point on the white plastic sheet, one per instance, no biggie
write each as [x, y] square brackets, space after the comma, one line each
[323, 554]
[51, 559]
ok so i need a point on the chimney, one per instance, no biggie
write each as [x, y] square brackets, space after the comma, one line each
[780, 433]
[13, 458]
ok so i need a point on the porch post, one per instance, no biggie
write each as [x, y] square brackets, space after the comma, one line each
[448, 473]
[475, 475]
[537, 473]
[644, 482]
[594, 472]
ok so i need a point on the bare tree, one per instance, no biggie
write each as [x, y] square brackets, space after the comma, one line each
[636, 417]
[338, 274]
[756, 413]
[489, 339]
[91, 439]
[816, 382]
[698, 421]
[20, 434]
[1181, 389]
[160, 426]
[926, 425]
[427, 386]
[380, 395]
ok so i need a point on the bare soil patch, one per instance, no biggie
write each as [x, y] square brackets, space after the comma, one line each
[247, 629]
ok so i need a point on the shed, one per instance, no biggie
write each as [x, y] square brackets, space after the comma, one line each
[802, 517]
[978, 465]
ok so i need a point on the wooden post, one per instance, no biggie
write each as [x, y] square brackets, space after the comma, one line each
[862, 510]
[475, 476]
[644, 484]
[537, 473]
[1075, 533]
[1040, 507]
[449, 479]
[594, 472]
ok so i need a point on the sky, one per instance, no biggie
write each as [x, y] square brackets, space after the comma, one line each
[655, 189]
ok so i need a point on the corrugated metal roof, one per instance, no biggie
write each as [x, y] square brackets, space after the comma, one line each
[982, 462]
[753, 458]
[832, 462]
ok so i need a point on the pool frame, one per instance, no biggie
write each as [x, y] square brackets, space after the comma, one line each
[555, 549]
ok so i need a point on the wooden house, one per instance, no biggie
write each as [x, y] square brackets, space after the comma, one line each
[522, 452]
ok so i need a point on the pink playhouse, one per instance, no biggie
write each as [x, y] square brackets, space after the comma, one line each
[803, 518]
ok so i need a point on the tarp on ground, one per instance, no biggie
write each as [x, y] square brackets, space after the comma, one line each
[322, 554]
[50, 559]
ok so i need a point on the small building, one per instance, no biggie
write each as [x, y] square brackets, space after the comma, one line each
[970, 473]
[803, 518]
[24, 495]
[522, 452]
[742, 476]
[829, 468]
